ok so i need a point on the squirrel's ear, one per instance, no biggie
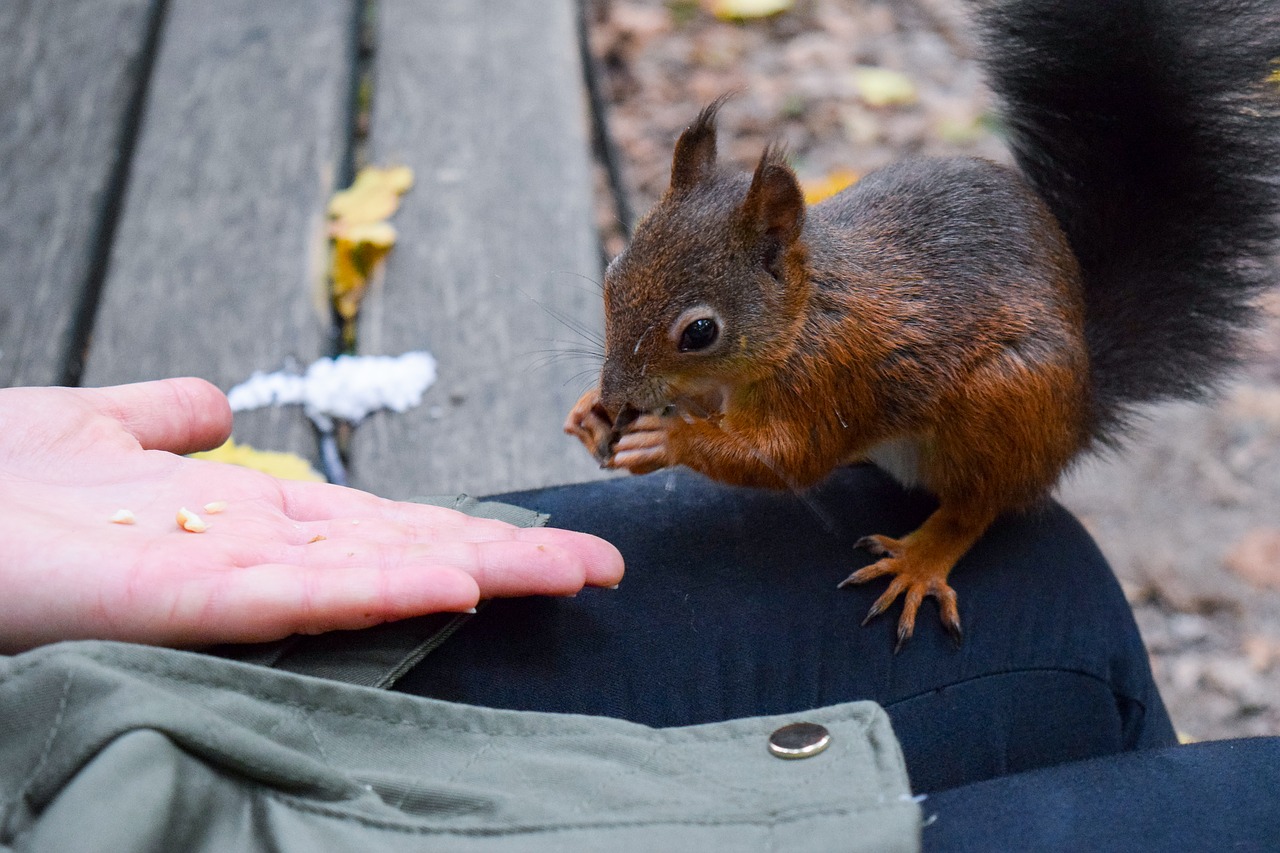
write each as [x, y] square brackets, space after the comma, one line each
[774, 207]
[695, 156]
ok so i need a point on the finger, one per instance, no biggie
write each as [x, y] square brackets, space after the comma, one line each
[601, 563]
[178, 415]
[885, 600]
[638, 461]
[339, 513]
[641, 440]
[501, 568]
[270, 601]
[649, 422]
[305, 501]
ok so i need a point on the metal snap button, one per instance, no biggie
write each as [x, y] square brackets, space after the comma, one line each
[799, 740]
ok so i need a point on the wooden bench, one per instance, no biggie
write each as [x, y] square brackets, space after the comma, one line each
[165, 170]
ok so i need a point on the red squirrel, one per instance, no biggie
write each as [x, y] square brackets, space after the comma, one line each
[970, 328]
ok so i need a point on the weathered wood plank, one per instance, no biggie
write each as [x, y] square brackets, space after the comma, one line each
[484, 101]
[218, 263]
[69, 72]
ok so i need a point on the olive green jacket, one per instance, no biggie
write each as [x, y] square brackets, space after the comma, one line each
[115, 747]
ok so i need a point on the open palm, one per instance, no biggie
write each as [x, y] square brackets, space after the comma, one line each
[282, 557]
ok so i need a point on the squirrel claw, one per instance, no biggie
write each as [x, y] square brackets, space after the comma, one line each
[912, 581]
[904, 634]
[877, 546]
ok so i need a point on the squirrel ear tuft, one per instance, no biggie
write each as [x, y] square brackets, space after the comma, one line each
[774, 207]
[695, 156]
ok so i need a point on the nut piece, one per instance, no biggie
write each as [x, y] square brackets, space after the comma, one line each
[191, 522]
[215, 507]
[123, 516]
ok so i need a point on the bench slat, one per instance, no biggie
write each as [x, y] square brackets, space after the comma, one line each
[69, 71]
[484, 101]
[219, 260]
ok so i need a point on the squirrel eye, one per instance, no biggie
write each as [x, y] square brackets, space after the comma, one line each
[699, 335]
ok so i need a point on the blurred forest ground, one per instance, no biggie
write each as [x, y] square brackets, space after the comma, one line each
[1189, 514]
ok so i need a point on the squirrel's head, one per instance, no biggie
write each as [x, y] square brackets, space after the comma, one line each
[710, 293]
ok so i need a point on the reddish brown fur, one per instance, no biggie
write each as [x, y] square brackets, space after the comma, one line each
[864, 320]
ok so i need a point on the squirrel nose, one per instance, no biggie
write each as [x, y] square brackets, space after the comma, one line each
[612, 395]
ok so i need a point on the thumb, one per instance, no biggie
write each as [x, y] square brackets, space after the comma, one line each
[178, 415]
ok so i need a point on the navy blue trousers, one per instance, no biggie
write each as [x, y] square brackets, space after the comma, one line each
[729, 608]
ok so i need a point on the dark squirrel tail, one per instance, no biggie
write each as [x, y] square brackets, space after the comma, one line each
[1152, 130]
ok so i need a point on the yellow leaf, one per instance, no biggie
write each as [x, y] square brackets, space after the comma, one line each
[373, 196]
[286, 466]
[882, 87]
[961, 132]
[816, 191]
[361, 236]
[740, 10]
[379, 234]
[357, 250]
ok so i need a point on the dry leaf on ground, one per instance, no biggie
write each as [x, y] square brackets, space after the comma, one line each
[823, 188]
[361, 236]
[286, 466]
[740, 10]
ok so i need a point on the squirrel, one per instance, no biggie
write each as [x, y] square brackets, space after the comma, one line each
[970, 327]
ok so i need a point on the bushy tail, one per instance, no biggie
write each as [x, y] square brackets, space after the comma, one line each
[1152, 129]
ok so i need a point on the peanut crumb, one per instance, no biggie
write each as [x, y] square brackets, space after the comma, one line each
[215, 507]
[317, 538]
[191, 522]
[123, 516]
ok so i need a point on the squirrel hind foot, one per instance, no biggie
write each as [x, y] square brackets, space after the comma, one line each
[915, 576]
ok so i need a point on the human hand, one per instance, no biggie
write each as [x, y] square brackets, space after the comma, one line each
[283, 557]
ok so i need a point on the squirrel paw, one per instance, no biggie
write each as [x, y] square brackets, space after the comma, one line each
[913, 575]
[592, 425]
[642, 447]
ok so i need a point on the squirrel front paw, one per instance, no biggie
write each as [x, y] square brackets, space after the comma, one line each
[634, 441]
[593, 426]
[642, 447]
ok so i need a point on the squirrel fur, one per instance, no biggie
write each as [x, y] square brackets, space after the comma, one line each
[970, 327]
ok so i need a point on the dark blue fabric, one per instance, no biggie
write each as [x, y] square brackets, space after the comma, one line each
[1223, 795]
[730, 609]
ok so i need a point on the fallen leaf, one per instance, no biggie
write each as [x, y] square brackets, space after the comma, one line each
[286, 466]
[1256, 558]
[373, 196]
[882, 87]
[741, 10]
[964, 131]
[822, 188]
[361, 237]
[356, 254]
